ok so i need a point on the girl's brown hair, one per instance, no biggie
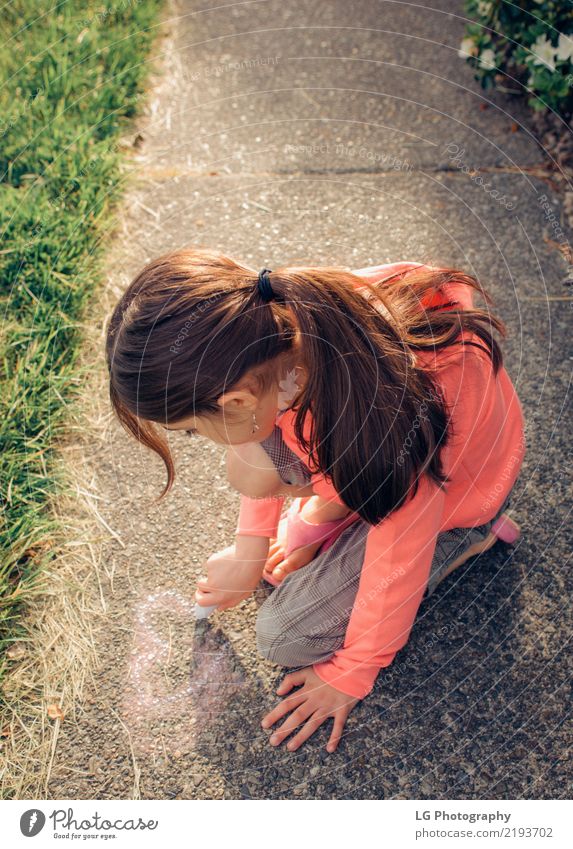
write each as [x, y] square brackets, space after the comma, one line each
[193, 322]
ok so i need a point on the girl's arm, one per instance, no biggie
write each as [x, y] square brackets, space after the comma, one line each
[233, 574]
[451, 291]
[318, 510]
[397, 560]
[394, 575]
[400, 549]
[374, 273]
[259, 517]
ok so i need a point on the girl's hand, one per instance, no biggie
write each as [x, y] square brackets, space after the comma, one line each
[311, 705]
[233, 573]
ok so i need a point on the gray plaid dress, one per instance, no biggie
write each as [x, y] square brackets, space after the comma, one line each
[305, 618]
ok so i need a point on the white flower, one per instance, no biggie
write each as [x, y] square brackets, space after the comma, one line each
[565, 48]
[467, 48]
[484, 7]
[487, 58]
[543, 52]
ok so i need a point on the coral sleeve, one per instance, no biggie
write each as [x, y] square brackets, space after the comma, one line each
[397, 560]
[376, 273]
[458, 292]
[259, 517]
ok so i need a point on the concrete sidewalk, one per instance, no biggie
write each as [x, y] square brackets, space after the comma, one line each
[336, 133]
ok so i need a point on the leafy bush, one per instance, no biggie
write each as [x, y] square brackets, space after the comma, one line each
[527, 44]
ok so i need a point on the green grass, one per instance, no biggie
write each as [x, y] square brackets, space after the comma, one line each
[72, 76]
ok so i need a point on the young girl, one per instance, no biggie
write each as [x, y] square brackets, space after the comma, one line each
[376, 398]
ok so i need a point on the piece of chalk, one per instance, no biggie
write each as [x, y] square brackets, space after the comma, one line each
[204, 612]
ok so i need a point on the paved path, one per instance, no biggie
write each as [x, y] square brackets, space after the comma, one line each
[328, 132]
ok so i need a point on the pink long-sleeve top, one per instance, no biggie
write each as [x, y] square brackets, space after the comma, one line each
[482, 459]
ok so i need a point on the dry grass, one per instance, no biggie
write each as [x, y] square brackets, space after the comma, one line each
[53, 663]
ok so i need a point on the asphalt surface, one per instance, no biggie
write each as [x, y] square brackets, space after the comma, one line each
[328, 132]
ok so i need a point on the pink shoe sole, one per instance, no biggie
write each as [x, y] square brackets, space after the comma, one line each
[506, 529]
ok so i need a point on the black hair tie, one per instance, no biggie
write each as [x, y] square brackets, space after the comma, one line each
[264, 285]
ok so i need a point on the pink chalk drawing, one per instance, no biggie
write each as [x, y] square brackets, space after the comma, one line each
[180, 676]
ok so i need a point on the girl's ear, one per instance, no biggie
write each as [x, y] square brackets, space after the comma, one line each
[238, 400]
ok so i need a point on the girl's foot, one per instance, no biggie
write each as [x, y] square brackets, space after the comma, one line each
[305, 539]
[504, 529]
[280, 541]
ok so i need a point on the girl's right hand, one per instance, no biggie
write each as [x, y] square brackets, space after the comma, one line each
[232, 574]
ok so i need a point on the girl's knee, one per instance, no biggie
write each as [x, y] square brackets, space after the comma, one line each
[270, 640]
[251, 471]
[288, 646]
[275, 644]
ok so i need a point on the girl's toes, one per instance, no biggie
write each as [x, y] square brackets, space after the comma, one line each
[270, 578]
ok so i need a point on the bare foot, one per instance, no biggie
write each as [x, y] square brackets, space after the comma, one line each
[275, 547]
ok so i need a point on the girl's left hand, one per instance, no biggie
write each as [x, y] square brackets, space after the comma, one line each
[311, 705]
